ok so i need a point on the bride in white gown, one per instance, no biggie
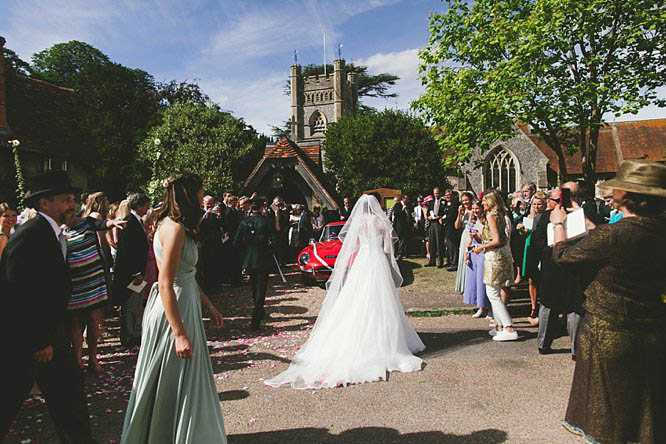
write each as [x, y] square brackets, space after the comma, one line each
[362, 331]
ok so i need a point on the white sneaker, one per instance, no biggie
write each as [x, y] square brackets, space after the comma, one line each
[493, 332]
[506, 336]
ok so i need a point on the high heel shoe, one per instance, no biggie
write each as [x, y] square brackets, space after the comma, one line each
[533, 318]
[480, 313]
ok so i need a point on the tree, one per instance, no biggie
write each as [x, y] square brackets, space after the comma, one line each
[172, 92]
[14, 64]
[118, 106]
[382, 149]
[557, 65]
[63, 63]
[201, 139]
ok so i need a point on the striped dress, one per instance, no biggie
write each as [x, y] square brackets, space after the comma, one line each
[86, 266]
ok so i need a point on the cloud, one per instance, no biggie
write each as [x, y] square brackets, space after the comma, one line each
[405, 65]
[261, 103]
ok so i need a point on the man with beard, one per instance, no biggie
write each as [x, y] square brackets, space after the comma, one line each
[36, 287]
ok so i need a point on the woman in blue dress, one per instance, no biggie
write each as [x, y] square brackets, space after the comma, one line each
[475, 289]
[174, 398]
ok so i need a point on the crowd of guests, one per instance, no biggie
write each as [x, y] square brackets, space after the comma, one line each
[62, 267]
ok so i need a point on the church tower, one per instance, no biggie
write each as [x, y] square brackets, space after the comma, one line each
[317, 101]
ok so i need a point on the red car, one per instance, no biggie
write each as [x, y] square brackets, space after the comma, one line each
[317, 260]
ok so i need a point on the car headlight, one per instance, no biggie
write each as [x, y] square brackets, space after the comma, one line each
[304, 259]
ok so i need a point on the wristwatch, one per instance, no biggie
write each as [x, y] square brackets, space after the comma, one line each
[557, 223]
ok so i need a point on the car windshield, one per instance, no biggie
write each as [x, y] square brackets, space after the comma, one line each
[330, 232]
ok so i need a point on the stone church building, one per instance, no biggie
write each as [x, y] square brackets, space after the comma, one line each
[293, 167]
[526, 158]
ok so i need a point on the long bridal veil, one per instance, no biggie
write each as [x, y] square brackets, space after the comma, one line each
[366, 219]
[361, 332]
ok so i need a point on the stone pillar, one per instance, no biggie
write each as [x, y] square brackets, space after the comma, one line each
[339, 83]
[3, 96]
[296, 84]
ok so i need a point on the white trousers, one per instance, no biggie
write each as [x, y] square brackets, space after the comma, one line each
[500, 313]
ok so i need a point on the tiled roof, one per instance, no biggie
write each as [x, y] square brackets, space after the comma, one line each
[286, 148]
[641, 139]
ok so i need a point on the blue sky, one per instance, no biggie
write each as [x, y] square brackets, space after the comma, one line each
[239, 50]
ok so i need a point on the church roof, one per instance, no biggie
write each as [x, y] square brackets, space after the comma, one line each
[287, 149]
[618, 141]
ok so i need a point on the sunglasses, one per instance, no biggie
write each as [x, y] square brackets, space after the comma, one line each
[554, 199]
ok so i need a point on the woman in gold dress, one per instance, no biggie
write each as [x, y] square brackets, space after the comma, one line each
[619, 386]
[498, 264]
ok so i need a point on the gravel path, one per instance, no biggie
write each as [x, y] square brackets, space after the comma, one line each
[471, 389]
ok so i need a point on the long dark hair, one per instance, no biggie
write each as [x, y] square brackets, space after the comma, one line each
[180, 202]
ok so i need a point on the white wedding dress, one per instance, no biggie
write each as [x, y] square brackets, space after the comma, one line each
[362, 331]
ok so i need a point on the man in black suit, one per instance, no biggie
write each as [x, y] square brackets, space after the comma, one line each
[560, 290]
[36, 287]
[130, 267]
[436, 211]
[346, 209]
[402, 225]
[305, 231]
[451, 235]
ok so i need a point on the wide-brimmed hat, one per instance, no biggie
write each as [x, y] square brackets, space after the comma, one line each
[48, 183]
[639, 176]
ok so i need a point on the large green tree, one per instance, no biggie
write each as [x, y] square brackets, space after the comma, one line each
[201, 139]
[558, 65]
[382, 149]
[63, 63]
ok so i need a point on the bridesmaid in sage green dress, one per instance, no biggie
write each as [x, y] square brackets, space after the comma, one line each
[174, 398]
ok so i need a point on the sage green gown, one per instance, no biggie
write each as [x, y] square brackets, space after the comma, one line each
[174, 400]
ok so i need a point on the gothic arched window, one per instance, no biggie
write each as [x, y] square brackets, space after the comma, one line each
[317, 123]
[501, 171]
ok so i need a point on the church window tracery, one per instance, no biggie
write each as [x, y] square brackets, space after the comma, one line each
[317, 123]
[501, 171]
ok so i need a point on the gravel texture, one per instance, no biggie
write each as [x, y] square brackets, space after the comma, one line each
[471, 389]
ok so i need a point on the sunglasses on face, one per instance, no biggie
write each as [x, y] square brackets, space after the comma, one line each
[554, 199]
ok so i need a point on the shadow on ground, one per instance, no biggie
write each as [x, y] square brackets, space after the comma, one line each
[368, 435]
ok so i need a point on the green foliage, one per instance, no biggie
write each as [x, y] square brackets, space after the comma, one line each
[558, 65]
[14, 64]
[63, 63]
[117, 105]
[172, 92]
[199, 138]
[382, 149]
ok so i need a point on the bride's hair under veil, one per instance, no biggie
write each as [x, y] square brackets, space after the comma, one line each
[366, 219]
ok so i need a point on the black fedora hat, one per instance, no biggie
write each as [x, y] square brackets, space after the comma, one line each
[49, 183]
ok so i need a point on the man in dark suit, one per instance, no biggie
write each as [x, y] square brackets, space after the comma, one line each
[346, 209]
[436, 211]
[257, 235]
[402, 225]
[36, 287]
[305, 231]
[451, 235]
[560, 290]
[211, 256]
[130, 267]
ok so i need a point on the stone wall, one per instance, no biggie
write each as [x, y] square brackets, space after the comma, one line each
[531, 163]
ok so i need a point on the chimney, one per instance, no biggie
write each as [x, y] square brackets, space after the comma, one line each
[3, 96]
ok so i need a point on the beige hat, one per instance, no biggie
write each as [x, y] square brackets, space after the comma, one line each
[639, 176]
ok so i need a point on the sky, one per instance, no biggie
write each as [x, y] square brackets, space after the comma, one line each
[239, 51]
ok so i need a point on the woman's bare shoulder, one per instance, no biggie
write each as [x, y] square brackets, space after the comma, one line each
[169, 229]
